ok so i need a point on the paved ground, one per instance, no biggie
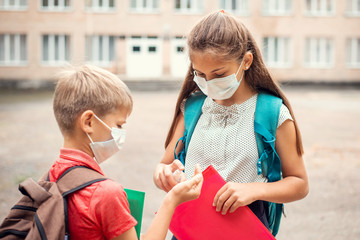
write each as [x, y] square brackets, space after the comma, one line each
[329, 120]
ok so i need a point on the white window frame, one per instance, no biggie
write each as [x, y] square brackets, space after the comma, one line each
[353, 8]
[353, 52]
[278, 52]
[61, 50]
[317, 8]
[19, 5]
[149, 8]
[13, 58]
[105, 8]
[55, 8]
[277, 7]
[103, 43]
[196, 6]
[316, 53]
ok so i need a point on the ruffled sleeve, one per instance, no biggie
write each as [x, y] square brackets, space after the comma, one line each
[284, 115]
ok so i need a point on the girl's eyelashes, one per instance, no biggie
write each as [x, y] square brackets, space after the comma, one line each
[219, 75]
[199, 74]
[204, 76]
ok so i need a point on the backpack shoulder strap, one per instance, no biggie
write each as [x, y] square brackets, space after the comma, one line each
[76, 178]
[267, 113]
[193, 110]
[265, 126]
[269, 164]
[72, 180]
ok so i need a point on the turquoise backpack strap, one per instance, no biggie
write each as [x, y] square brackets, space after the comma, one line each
[193, 110]
[265, 126]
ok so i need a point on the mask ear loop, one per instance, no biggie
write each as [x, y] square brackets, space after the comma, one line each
[239, 70]
[102, 122]
[89, 138]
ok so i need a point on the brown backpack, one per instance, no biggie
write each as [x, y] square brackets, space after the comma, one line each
[42, 212]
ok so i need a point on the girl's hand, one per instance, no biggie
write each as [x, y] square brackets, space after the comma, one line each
[164, 177]
[190, 189]
[234, 195]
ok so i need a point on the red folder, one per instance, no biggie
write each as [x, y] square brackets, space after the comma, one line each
[198, 219]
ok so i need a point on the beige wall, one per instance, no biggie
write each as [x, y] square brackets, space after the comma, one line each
[78, 23]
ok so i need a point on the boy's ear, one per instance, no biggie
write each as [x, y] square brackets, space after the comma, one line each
[86, 121]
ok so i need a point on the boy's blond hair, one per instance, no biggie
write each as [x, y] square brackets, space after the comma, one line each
[88, 88]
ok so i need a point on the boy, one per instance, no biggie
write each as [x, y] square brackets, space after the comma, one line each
[90, 106]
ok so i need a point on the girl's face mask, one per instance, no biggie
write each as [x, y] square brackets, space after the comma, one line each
[219, 88]
[104, 150]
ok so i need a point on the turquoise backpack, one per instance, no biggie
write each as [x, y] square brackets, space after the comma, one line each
[265, 125]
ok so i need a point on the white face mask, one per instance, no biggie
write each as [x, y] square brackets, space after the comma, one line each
[219, 88]
[104, 150]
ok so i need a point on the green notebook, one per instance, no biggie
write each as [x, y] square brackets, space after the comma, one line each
[136, 204]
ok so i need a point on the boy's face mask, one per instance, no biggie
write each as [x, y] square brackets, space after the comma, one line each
[104, 150]
[219, 88]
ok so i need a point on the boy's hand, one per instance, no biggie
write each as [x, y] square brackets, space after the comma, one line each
[190, 189]
[165, 178]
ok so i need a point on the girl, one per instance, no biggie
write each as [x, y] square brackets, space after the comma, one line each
[226, 65]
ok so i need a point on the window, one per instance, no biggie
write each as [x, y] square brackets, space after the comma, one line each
[320, 7]
[136, 49]
[238, 7]
[152, 49]
[180, 49]
[13, 49]
[55, 49]
[277, 51]
[13, 4]
[353, 8]
[55, 5]
[100, 49]
[188, 6]
[144, 6]
[277, 7]
[319, 52]
[100, 5]
[353, 52]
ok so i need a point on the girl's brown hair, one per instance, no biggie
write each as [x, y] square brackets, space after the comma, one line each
[223, 36]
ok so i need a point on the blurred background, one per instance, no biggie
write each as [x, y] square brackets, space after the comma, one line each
[312, 47]
[301, 41]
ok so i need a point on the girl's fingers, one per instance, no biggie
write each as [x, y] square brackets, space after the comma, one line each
[176, 165]
[163, 182]
[227, 204]
[221, 197]
[235, 206]
[169, 177]
[166, 176]
[218, 194]
[182, 177]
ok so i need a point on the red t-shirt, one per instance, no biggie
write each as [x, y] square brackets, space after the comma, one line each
[99, 211]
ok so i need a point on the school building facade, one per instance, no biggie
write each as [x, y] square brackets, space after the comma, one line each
[301, 40]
